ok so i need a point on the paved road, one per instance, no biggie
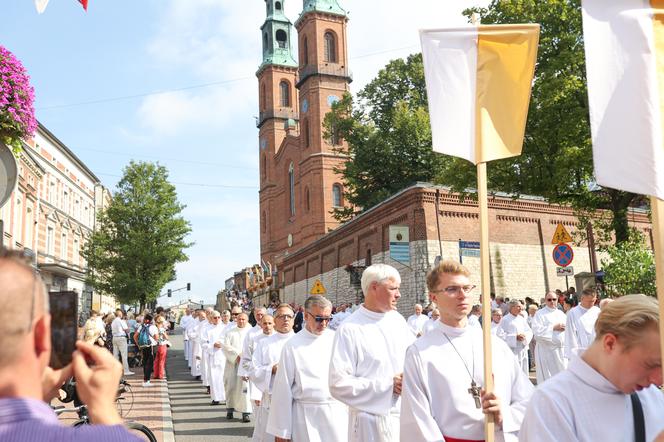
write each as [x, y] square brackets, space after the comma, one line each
[194, 419]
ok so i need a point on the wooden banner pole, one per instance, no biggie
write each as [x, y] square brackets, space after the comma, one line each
[657, 207]
[483, 202]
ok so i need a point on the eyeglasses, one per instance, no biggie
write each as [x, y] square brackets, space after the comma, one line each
[284, 317]
[550, 299]
[234, 314]
[216, 317]
[320, 319]
[454, 289]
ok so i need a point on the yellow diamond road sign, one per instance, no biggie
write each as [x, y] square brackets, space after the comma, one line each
[561, 236]
[318, 288]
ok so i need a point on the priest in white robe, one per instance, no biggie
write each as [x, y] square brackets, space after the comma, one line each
[432, 322]
[548, 326]
[256, 333]
[366, 368]
[205, 349]
[265, 362]
[302, 407]
[217, 361]
[580, 326]
[195, 344]
[444, 375]
[237, 397]
[592, 399]
[184, 321]
[417, 320]
[516, 333]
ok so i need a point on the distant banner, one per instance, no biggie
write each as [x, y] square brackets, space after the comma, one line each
[400, 244]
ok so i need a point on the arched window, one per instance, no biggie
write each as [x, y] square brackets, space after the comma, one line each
[284, 94]
[282, 38]
[334, 136]
[307, 134]
[291, 187]
[277, 6]
[265, 42]
[306, 199]
[305, 51]
[330, 54]
[336, 195]
[263, 96]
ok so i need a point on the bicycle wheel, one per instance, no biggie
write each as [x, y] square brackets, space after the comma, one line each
[141, 431]
[80, 422]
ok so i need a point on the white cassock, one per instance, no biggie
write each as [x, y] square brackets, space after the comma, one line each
[549, 351]
[307, 411]
[511, 326]
[580, 330]
[582, 405]
[195, 347]
[338, 319]
[217, 335]
[497, 331]
[205, 353]
[266, 355]
[473, 321]
[184, 321]
[236, 389]
[435, 397]
[255, 334]
[416, 323]
[254, 393]
[368, 351]
[429, 325]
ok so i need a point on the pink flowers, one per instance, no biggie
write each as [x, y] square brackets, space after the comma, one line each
[17, 113]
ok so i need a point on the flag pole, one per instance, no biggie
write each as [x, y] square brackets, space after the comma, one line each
[657, 208]
[483, 202]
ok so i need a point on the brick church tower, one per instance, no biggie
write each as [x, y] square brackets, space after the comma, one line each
[298, 187]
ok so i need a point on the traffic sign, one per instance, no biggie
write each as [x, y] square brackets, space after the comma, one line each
[565, 271]
[561, 235]
[563, 255]
[318, 288]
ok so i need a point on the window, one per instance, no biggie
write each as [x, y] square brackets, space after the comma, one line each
[18, 218]
[291, 187]
[305, 51]
[264, 221]
[307, 135]
[29, 226]
[263, 96]
[65, 202]
[63, 247]
[306, 199]
[264, 171]
[334, 136]
[367, 260]
[76, 251]
[49, 240]
[336, 195]
[265, 42]
[330, 54]
[284, 94]
[51, 192]
[282, 38]
[277, 6]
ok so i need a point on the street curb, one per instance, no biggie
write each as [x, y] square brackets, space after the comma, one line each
[167, 416]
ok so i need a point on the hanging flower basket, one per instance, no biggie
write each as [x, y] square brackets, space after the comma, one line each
[17, 112]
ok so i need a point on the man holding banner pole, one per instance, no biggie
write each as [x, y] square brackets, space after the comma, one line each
[478, 82]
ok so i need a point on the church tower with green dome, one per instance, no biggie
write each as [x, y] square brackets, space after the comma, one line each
[277, 48]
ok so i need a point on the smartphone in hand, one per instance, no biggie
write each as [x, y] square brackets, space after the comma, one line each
[64, 327]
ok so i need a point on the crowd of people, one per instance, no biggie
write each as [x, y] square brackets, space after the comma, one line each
[366, 373]
[377, 377]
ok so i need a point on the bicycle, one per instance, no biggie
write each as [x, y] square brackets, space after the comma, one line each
[138, 429]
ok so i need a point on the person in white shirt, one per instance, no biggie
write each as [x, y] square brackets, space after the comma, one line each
[248, 348]
[516, 333]
[216, 360]
[443, 398]
[595, 398]
[496, 317]
[340, 316]
[417, 320]
[267, 325]
[366, 368]
[302, 407]
[432, 322]
[237, 397]
[474, 316]
[548, 326]
[184, 321]
[265, 362]
[120, 330]
[580, 326]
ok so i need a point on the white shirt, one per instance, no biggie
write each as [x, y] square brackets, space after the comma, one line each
[580, 330]
[368, 351]
[435, 397]
[307, 411]
[416, 323]
[581, 405]
[248, 349]
[266, 355]
[119, 327]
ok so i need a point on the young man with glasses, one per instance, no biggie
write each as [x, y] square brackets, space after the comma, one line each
[300, 394]
[548, 326]
[265, 362]
[442, 397]
[27, 384]
[366, 368]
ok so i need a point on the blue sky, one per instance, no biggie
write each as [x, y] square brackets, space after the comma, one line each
[174, 81]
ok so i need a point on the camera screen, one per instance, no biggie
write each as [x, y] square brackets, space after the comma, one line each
[64, 327]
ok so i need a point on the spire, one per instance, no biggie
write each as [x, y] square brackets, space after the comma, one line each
[277, 36]
[328, 6]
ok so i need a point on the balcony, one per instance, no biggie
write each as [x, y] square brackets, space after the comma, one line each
[329, 69]
[282, 113]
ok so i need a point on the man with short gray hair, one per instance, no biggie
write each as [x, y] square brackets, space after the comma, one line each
[516, 332]
[366, 368]
[300, 395]
[417, 320]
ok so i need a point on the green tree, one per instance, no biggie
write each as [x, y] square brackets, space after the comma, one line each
[140, 237]
[630, 267]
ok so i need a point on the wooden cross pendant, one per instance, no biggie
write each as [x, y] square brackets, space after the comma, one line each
[474, 391]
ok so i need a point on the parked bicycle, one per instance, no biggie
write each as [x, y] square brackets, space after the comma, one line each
[135, 428]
